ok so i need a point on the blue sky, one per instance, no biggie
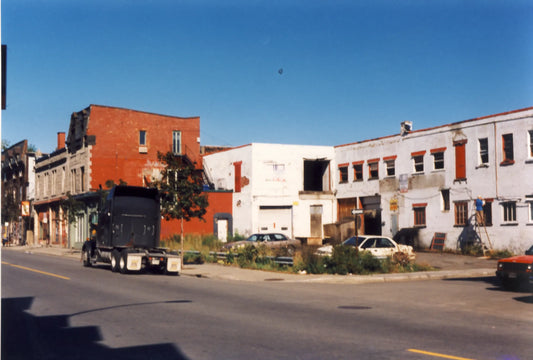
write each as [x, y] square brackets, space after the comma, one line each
[295, 72]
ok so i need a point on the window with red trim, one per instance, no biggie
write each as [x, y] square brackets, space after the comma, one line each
[419, 211]
[461, 213]
[358, 171]
[373, 169]
[508, 151]
[343, 173]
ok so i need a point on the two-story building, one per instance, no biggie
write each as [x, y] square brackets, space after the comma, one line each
[277, 188]
[421, 182]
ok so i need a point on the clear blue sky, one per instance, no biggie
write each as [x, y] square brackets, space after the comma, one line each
[281, 71]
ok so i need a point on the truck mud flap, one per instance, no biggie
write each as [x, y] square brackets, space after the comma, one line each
[133, 261]
[173, 264]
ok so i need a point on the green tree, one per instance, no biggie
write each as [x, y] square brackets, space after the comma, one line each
[74, 208]
[181, 189]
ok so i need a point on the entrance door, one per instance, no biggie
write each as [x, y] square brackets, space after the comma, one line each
[316, 221]
[222, 230]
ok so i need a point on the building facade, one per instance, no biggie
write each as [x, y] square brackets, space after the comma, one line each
[107, 146]
[277, 188]
[18, 188]
[417, 184]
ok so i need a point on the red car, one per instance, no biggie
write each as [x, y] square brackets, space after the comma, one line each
[517, 271]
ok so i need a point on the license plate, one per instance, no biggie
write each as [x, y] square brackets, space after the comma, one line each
[512, 275]
[155, 261]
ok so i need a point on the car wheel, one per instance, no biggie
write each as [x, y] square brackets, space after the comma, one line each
[86, 257]
[115, 258]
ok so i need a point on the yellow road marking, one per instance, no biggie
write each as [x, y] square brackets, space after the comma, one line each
[438, 355]
[37, 271]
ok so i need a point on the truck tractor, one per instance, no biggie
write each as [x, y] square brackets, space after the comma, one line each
[126, 233]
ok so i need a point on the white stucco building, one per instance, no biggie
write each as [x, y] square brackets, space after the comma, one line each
[277, 188]
[426, 181]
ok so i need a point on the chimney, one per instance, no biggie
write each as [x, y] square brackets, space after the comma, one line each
[60, 140]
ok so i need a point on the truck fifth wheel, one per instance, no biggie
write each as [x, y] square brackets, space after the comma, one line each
[126, 234]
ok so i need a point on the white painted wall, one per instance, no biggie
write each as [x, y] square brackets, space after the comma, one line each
[501, 183]
[275, 175]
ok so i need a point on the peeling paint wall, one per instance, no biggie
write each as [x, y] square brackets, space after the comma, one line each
[493, 180]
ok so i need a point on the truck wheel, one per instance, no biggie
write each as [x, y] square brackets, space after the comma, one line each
[123, 263]
[86, 257]
[115, 258]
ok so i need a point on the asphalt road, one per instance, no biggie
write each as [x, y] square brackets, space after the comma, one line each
[53, 308]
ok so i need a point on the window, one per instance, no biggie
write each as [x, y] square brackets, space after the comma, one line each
[487, 212]
[418, 161]
[530, 208]
[530, 143]
[461, 213]
[358, 171]
[483, 151]
[390, 165]
[445, 199]
[507, 143]
[438, 158]
[343, 173]
[419, 211]
[176, 142]
[373, 169]
[460, 160]
[509, 211]
[142, 138]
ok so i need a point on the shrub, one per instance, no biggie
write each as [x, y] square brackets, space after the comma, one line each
[306, 260]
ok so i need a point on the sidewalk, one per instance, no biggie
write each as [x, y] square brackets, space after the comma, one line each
[448, 266]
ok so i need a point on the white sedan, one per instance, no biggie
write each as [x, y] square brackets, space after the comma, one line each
[379, 246]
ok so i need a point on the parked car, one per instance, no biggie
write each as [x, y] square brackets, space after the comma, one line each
[272, 240]
[379, 246]
[516, 271]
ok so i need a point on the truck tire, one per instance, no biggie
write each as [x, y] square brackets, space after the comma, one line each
[115, 259]
[86, 257]
[123, 262]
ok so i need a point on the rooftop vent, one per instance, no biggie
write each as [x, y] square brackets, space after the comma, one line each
[406, 127]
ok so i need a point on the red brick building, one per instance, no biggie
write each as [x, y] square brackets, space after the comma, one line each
[107, 145]
[122, 144]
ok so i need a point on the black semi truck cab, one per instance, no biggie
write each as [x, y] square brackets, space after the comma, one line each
[126, 233]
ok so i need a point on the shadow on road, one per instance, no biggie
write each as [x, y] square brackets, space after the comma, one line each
[28, 337]
[497, 286]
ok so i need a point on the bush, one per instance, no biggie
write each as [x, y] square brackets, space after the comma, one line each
[308, 261]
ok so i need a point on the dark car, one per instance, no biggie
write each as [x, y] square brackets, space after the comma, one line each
[272, 240]
[517, 271]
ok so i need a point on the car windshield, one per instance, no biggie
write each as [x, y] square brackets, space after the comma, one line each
[354, 241]
[529, 251]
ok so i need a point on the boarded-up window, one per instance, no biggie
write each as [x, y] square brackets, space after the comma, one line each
[460, 160]
[237, 165]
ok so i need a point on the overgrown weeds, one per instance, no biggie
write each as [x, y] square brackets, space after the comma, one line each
[348, 260]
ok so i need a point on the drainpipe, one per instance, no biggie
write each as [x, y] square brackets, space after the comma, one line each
[495, 161]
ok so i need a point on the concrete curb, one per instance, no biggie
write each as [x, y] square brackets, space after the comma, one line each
[233, 273]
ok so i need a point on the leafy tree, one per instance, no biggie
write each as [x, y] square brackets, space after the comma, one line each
[5, 144]
[74, 208]
[181, 189]
[10, 208]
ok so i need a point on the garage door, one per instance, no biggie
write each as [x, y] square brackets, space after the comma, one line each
[275, 219]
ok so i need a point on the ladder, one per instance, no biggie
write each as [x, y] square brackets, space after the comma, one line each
[478, 227]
